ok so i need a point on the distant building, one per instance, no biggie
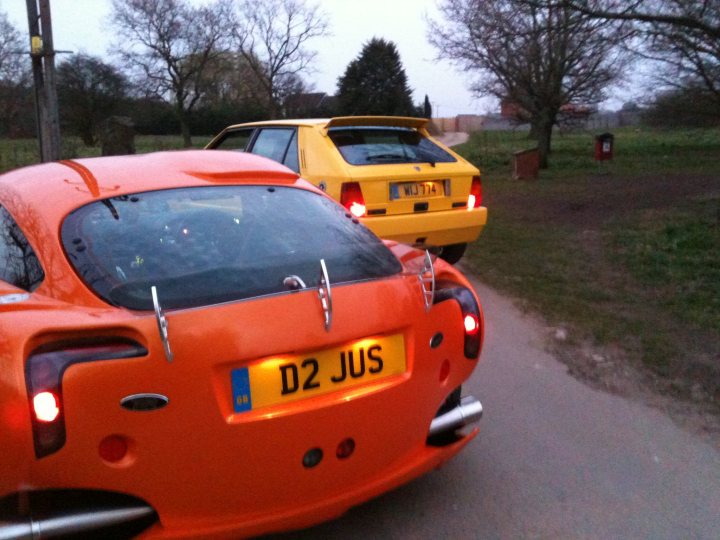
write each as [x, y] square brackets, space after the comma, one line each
[571, 115]
[510, 110]
[575, 115]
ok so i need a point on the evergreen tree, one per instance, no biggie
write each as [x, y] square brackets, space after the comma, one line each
[427, 108]
[375, 83]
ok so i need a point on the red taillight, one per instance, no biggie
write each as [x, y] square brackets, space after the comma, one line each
[46, 407]
[44, 371]
[475, 197]
[444, 371]
[472, 321]
[352, 199]
[472, 325]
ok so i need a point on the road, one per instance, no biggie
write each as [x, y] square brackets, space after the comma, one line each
[554, 459]
[452, 138]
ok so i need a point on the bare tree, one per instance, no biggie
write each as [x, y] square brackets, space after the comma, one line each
[168, 45]
[272, 36]
[11, 45]
[89, 90]
[14, 78]
[229, 79]
[682, 34]
[537, 55]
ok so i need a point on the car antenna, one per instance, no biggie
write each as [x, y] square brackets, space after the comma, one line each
[162, 324]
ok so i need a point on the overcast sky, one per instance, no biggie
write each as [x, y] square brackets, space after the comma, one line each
[82, 25]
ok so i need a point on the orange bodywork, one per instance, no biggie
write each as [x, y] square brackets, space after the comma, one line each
[206, 469]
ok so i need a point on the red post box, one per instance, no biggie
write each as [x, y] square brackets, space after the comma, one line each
[604, 146]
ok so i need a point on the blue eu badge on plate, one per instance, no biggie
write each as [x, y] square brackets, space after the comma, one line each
[241, 390]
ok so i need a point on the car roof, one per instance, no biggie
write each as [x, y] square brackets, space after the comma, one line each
[341, 121]
[54, 189]
[286, 122]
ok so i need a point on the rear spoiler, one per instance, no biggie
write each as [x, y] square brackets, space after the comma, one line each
[392, 121]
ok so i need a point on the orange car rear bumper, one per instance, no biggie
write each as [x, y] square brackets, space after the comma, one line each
[425, 459]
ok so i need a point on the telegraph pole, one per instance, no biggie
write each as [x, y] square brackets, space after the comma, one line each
[42, 53]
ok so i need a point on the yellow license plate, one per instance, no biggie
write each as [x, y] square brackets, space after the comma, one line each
[284, 379]
[417, 190]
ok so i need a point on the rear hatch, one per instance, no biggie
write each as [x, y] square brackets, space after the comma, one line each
[398, 168]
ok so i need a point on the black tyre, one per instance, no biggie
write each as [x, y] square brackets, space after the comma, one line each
[453, 253]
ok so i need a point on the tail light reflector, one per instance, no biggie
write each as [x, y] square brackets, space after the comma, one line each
[113, 448]
[352, 199]
[475, 197]
[345, 448]
[44, 371]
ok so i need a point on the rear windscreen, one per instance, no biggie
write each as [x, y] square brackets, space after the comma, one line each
[382, 145]
[206, 245]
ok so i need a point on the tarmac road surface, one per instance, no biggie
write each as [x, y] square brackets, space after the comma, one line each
[451, 138]
[554, 459]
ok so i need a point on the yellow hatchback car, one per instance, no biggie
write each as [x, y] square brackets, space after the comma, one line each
[387, 171]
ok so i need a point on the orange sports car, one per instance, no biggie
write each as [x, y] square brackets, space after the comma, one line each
[202, 344]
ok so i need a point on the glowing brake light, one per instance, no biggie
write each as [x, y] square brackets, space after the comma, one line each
[352, 199]
[357, 210]
[471, 323]
[46, 408]
[475, 197]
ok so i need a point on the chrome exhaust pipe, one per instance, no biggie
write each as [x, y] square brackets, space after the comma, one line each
[467, 412]
[72, 523]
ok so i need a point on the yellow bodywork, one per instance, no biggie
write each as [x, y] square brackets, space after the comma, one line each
[445, 221]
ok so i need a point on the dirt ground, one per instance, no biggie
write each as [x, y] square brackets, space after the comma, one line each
[610, 197]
